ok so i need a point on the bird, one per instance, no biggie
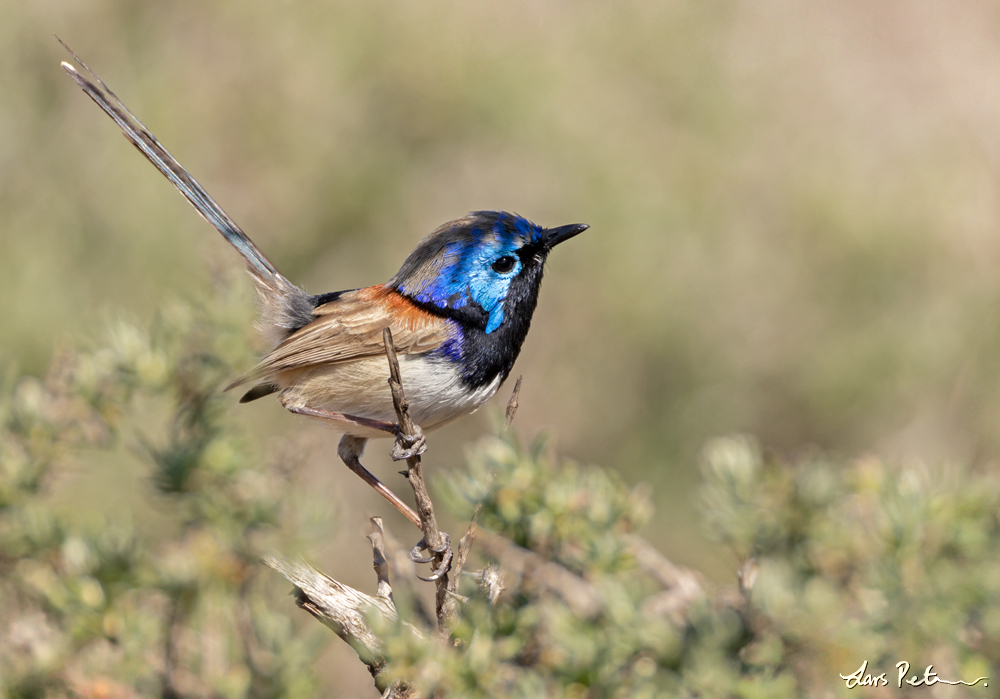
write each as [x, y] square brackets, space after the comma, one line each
[459, 309]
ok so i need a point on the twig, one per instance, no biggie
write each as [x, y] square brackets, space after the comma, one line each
[465, 544]
[436, 541]
[379, 562]
[512, 404]
[403, 571]
[464, 547]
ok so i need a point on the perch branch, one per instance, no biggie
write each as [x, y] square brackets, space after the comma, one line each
[434, 540]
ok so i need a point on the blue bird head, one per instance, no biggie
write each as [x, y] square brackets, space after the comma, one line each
[481, 269]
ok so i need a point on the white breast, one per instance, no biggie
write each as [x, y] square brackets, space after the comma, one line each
[433, 388]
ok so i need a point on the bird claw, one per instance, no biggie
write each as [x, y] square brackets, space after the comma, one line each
[446, 555]
[408, 446]
[415, 552]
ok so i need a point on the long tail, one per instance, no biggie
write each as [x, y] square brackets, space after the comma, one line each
[282, 303]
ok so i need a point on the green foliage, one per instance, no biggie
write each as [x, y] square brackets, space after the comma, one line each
[112, 604]
[571, 513]
[863, 561]
[540, 641]
[840, 244]
[857, 561]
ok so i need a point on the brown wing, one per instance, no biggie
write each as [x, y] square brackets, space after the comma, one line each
[350, 328]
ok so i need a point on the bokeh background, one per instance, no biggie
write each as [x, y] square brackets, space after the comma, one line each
[795, 230]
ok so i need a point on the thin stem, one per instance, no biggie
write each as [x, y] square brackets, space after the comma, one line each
[434, 539]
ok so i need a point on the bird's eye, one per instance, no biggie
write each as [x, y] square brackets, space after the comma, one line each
[504, 264]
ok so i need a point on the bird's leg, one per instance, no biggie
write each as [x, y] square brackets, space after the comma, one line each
[350, 450]
[406, 445]
[344, 418]
[409, 445]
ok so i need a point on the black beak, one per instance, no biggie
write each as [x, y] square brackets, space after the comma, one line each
[554, 236]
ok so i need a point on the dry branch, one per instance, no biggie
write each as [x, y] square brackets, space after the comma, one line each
[346, 610]
[339, 606]
[435, 541]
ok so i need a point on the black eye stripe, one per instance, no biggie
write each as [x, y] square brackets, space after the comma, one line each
[504, 264]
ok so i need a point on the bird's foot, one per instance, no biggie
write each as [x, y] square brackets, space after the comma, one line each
[407, 446]
[444, 551]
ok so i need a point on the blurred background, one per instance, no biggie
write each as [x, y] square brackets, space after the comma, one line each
[795, 230]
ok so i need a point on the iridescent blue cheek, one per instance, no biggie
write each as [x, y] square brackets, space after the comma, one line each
[468, 275]
[489, 288]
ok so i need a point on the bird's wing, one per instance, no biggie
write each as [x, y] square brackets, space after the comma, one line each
[350, 328]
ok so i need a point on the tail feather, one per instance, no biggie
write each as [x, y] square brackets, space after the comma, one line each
[284, 306]
[258, 391]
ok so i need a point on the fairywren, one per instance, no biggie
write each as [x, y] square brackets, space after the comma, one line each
[459, 309]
